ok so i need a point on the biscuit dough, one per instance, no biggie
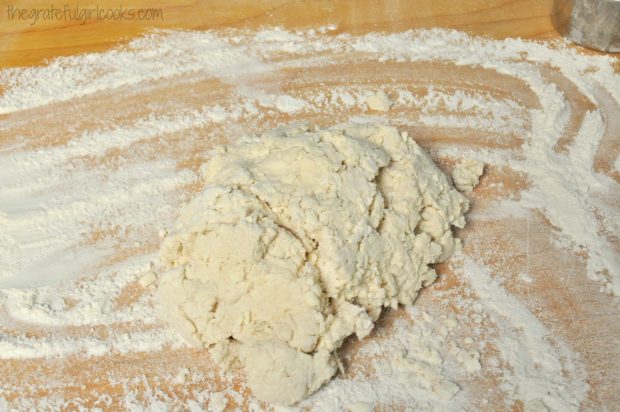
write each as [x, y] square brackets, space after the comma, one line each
[379, 102]
[298, 240]
[466, 174]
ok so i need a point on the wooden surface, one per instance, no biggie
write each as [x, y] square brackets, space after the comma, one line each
[23, 43]
[590, 325]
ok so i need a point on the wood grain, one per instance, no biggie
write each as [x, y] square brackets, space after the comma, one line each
[560, 295]
[24, 43]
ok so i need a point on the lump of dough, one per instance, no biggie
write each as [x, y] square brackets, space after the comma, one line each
[297, 241]
[379, 102]
[280, 374]
[466, 174]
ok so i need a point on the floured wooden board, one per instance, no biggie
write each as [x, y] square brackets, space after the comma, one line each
[98, 153]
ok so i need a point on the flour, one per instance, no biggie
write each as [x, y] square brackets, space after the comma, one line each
[291, 248]
[420, 366]
[145, 58]
[52, 279]
[538, 373]
[429, 347]
[218, 402]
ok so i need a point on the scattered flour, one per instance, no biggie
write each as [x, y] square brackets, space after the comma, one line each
[49, 202]
[218, 402]
[541, 369]
[420, 367]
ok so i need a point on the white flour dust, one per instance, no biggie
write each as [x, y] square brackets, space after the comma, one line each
[64, 219]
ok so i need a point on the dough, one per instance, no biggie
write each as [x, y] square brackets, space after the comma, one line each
[466, 174]
[298, 240]
[360, 407]
[379, 102]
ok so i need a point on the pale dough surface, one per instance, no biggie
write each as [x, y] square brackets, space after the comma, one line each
[379, 102]
[466, 174]
[298, 240]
